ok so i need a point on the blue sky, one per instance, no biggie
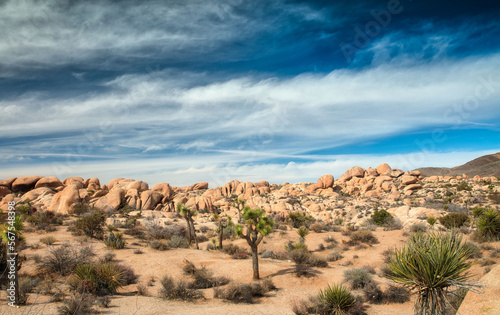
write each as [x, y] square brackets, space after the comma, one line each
[190, 91]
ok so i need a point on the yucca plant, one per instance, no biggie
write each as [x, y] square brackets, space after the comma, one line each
[337, 299]
[430, 265]
[488, 226]
[303, 232]
[99, 279]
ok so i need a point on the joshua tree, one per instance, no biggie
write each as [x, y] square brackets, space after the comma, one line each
[240, 205]
[430, 264]
[302, 231]
[257, 226]
[223, 222]
[188, 215]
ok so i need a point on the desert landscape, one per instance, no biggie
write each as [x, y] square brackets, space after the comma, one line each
[335, 231]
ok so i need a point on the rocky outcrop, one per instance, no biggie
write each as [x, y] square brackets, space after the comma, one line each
[63, 200]
[25, 184]
[487, 303]
[52, 181]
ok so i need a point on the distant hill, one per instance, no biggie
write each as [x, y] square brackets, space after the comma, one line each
[487, 165]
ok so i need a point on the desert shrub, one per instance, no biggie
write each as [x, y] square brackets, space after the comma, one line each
[418, 228]
[317, 227]
[189, 268]
[231, 249]
[373, 293]
[158, 232]
[395, 294]
[100, 279]
[26, 285]
[298, 219]
[243, 292]
[267, 254]
[473, 250]
[495, 197]
[317, 261]
[301, 258]
[321, 247]
[454, 220]
[177, 290]
[48, 240]
[108, 257]
[91, 224]
[63, 259]
[334, 256]
[495, 253]
[392, 225]
[178, 242]
[363, 236]
[358, 278]
[431, 220]
[42, 219]
[138, 251]
[135, 231]
[79, 208]
[158, 245]
[381, 217]
[128, 275]
[240, 254]
[291, 246]
[463, 186]
[281, 255]
[487, 262]
[330, 240]
[115, 241]
[78, 304]
[488, 226]
[201, 238]
[204, 279]
[335, 299]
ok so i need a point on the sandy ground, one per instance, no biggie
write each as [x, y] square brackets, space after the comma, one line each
[154, 264]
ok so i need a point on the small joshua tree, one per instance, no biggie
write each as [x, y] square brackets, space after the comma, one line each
[240, 205]
[257, 226]
[188, 215]
[223, 222]
[303, 232]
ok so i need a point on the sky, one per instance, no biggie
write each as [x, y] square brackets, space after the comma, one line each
[284, 91]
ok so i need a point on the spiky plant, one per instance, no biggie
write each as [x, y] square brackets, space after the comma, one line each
[303, 232]
[430, 265]
[99, 279]
[337, 298]
[488, 225]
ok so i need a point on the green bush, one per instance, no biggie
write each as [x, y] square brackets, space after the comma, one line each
[91, 224]
[100, 279]
[454, 220]
[463, 186]
[488, 226]
[336, 299]
[429, 264]
[115, 241]
[381, 217]
[298, 219]
[64, 259]
[431, 220]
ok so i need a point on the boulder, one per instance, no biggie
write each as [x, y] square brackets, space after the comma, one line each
[262, 183]
[413, 187]
[164, 188]
[24, 184]
[8, 182]
[111, 201]
[200, 186]
[49, 182]
[133, 199]
[355, 171]
[4, 191]
[150, 199]
[383, 168]
[371, 172]
[487, 303]
[139, 185]
[35, 193]
[74, 181]
[408, 179]
[395, 173]
[63, 200]
[325, 181]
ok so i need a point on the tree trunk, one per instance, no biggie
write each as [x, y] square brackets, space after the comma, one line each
[255, 262]
[194, 233]
[221, 235]
[190, 239]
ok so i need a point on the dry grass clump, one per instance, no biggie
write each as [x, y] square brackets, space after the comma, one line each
[244, 292]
